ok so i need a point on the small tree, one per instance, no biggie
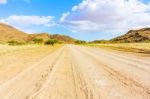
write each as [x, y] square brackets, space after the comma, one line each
[80, 42]
[38, 40]
[51, 42]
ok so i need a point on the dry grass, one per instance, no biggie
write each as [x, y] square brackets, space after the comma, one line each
[129, 47]
[7, 48]
[15, 59]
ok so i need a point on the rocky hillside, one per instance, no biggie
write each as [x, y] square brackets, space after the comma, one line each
[135, 36]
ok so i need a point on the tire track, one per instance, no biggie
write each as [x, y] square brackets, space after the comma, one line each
[65, 82]
[82, 86]
[30, 80]
[126, 82]
[134, 62]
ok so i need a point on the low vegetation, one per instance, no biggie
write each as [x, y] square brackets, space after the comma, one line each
[38, 41]
[13, 42]
[80, 42]
[102, 41]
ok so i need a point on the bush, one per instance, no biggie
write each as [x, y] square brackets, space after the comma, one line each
[51, 42]
[38, 40]
[80, 42]
[15, 43]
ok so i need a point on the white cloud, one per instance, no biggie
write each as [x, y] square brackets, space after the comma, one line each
[3, 1]
[28, 20]
[107, 16]
[27, 23]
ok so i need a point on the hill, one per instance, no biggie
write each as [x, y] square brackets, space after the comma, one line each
[140, 35]
[8, 33]
[46, 36]
[62, 38]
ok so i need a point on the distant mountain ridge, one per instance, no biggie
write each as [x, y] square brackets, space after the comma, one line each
[139, 35]
[8, 33]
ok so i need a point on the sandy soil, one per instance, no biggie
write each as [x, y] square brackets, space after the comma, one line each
[75, 72]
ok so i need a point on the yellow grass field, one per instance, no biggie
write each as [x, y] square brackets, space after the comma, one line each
[4, 48]
[129, 47]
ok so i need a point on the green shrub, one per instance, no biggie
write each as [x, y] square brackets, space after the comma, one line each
[80, 42]
[38, 40]
[101, 41]
[51, 42]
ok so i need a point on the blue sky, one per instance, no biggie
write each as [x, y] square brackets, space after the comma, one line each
[82, 19]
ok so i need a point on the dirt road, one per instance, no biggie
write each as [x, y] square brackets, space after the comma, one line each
[75, 72]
